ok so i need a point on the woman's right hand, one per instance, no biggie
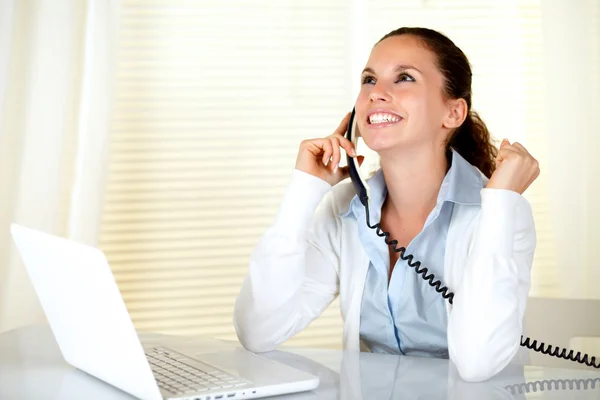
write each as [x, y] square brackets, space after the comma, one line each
[321, 157]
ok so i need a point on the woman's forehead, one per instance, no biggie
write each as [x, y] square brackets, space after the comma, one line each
[401, 50]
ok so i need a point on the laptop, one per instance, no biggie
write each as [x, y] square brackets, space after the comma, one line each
[95, 334]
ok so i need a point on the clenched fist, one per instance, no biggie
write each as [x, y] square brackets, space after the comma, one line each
[516, 169]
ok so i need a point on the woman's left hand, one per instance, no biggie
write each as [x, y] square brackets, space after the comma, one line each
[515, 170]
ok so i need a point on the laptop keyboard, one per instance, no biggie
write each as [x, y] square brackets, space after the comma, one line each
[182, 375]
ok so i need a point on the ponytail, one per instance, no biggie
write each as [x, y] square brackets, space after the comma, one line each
[473, 142]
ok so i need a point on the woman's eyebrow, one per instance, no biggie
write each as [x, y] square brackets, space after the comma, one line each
[403, 67]
[400, 67]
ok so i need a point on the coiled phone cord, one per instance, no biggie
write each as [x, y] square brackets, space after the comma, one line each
[552, 384]
[541, 347]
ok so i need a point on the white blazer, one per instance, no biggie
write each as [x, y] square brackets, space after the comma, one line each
[310, 255]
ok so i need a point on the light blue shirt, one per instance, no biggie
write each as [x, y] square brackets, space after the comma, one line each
[408, 316]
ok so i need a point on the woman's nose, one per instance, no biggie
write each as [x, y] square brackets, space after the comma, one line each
[379, 93]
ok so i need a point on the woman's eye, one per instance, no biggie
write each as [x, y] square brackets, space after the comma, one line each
[401, 78]
[368, 79]
[405, 78]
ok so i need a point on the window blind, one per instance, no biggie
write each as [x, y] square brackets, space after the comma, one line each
[212, 101]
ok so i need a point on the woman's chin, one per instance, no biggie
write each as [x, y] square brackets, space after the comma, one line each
[383, 139]
[381, 144]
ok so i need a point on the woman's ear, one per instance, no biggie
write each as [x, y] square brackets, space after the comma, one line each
[457, 111]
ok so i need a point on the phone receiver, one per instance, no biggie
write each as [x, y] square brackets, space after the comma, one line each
[360, 185]
[362, 190]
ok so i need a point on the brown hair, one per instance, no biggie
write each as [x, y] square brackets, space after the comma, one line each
[472, 139]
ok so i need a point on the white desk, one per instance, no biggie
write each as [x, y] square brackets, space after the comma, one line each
[31, 367]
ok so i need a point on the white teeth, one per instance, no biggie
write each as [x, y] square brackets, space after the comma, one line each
[379, 118]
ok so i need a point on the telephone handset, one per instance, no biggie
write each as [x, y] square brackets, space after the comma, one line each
[360, 184]
[362, 189]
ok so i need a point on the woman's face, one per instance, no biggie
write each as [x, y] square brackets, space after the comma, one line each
[401, 102]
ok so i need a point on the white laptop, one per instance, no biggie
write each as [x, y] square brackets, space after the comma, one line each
[94, 332]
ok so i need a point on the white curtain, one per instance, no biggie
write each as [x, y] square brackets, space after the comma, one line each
[572, 74]
[56, 61]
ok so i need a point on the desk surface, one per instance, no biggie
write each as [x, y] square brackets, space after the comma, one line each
[31, 367]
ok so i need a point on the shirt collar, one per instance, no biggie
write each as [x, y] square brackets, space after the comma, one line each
[462, 184]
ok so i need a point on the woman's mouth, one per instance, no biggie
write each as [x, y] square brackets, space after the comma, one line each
[382, 119]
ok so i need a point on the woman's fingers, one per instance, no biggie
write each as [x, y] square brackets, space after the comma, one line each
[327, 150]
[335, 158]
[321, 156]
[347, 146]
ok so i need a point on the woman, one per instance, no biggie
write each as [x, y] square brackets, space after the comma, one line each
[443, 191]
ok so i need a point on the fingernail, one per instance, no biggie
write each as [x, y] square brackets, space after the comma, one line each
[336, 167]
[326, 162]
[352, 153]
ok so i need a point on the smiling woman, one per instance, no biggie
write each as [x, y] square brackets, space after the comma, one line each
[440, 178]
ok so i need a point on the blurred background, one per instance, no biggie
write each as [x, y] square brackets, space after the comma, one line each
[165, 132]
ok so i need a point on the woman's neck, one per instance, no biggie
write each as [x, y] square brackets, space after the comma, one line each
[413, 181]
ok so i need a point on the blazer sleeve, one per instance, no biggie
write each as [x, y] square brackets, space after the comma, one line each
[293, 271]
[486, 319]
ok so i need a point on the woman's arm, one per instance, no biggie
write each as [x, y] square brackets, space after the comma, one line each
[486, 320]
[293, 273]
